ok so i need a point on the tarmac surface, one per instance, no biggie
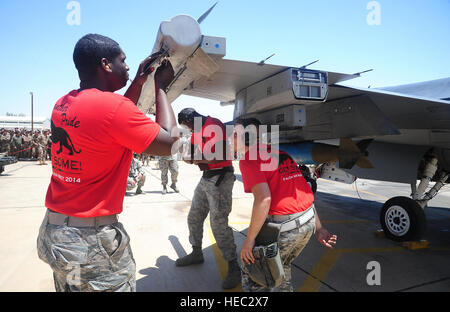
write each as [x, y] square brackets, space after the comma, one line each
[157, 226]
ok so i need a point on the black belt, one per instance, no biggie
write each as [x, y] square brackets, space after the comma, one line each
[208, 174]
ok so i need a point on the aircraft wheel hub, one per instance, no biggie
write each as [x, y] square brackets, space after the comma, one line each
[397, 219]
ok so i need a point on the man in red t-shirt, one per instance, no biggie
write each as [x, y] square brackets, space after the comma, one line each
[94, 135]
[281, 194]
[213, 193]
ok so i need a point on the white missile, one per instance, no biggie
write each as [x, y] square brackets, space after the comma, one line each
[191, 54]
[179, 37]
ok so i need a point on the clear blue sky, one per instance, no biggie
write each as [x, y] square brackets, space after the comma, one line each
[411, 44]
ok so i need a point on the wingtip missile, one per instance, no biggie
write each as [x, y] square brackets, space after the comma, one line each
[180, 40]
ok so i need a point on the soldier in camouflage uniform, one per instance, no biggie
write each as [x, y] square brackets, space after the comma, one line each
[167, 163]
[16, 144]
[24, 152]
[27, 142]
[212, 195]
[49, 145]
[5, 142]
[144, 159]
[136, 176]
[42, 142]
[35, 144]
[281, 196]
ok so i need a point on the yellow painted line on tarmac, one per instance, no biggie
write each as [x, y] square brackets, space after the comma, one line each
[222, 265]
[320, 271]
[366, 250]
[329, 259]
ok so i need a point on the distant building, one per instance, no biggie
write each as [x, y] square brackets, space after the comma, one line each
[12, 122]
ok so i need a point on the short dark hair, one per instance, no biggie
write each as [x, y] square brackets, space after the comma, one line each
[90, 50]
[245, 122]
[187, 115]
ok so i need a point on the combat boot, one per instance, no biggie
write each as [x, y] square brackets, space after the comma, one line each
[138, 190]
[195, 257]
[233, 277]
[174, 187]
[164, 191]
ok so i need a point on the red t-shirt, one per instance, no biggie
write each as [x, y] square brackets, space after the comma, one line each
[290, 193]
[94, 134]
[213, 131]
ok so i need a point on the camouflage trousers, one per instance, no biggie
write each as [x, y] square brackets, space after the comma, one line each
[42, 153]
[140, 183]
[217, 201]
[35, 152]
[88, 259]
[291, 244]
[5, 148]
[27, 152]
[165, 165]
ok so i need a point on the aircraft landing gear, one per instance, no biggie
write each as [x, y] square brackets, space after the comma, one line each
[403, 218]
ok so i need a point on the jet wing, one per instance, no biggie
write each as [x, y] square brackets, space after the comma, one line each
[347, 111]
[233, 76]
[404, 110]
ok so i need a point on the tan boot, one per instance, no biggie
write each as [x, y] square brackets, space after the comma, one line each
[233, 277]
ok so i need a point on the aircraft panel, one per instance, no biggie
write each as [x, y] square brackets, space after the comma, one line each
[393, 162]
[405, 111]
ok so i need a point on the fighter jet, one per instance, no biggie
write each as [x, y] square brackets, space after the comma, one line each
[398, 134]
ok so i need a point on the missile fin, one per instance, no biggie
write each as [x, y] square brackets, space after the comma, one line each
[364, 163]
[205, 15]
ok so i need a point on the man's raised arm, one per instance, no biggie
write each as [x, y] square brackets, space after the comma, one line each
[167, 139]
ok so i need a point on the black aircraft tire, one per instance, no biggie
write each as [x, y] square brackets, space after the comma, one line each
[402, 219]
